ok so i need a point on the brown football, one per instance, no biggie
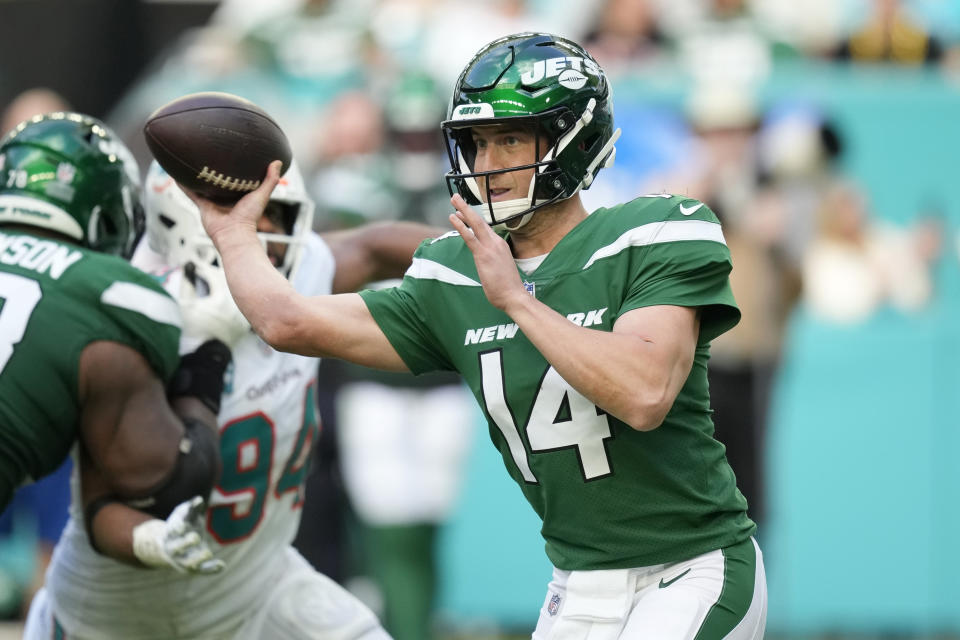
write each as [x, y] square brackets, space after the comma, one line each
[216, 144]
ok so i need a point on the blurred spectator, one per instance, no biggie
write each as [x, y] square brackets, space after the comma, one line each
[292, 61]
[243, 15]
[725, 120]
[718, 41]
[351, 176]
[855, 265]
[813, 27]
[352, 126]
[318, 40]
[30, 103]
[889, 34]
[624, 35]
[382, 161]
[456, 30]
[798, 150]
[306, 57]
[414, 148]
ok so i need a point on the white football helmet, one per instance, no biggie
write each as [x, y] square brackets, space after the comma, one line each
[174, 231]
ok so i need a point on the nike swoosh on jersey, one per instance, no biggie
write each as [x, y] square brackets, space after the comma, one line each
[670, 582]
[691, 210]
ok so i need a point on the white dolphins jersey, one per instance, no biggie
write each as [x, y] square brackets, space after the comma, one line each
[268, 422]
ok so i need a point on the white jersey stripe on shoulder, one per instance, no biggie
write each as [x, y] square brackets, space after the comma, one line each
[658, 233]
[152, 304]
[448, 234]
[429, 270]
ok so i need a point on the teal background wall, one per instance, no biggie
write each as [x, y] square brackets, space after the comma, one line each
[863, 476]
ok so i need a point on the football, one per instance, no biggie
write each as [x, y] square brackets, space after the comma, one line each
[216, 144]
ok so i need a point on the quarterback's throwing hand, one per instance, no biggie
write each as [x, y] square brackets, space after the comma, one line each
[177, 542]
[220, 220]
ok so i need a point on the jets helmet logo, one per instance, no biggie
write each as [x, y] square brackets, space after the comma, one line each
[553, 67]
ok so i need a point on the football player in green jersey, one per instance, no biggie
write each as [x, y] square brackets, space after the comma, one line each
[88, 343]
[585, 339]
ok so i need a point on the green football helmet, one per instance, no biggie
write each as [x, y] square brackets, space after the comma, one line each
[68, 173]
[538, 81]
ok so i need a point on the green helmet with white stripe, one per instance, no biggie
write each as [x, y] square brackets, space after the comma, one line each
[544, 82]
[70, 174]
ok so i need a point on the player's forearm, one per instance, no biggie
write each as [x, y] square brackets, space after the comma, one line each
[393, 244]
[341, 326]
[112, 529]
[621, 373]
[338, 326]
[136, 538]
[375, 252]
[262, 294]
[109, 523]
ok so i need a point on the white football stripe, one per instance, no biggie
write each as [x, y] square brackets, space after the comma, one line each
[430, 270]
[147, 302]
[659, 233]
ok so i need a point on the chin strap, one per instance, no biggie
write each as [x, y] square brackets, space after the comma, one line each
[516, 223]
[508, 208]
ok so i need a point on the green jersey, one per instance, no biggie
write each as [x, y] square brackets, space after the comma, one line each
[55, 299]
[609, 496]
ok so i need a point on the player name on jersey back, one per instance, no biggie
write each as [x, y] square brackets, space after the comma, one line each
[42, 256]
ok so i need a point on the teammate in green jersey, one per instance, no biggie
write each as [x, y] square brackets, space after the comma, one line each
[585, 339]
[88, 343]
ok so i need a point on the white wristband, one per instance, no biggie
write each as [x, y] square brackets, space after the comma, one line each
[148, 540]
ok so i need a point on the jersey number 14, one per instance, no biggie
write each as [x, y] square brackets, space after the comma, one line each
[561, 418]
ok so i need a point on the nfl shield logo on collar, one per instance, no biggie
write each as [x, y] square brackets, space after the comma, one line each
[554, 605]
[530, 287]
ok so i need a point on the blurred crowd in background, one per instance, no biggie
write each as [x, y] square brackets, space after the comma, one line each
[360, 87]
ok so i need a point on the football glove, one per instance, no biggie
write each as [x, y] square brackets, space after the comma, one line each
[177, 542]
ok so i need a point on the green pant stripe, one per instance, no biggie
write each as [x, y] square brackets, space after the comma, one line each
[739, 575]
[58, 633]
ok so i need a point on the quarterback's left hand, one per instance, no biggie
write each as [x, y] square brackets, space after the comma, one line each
[177, 542]
[491, 253]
